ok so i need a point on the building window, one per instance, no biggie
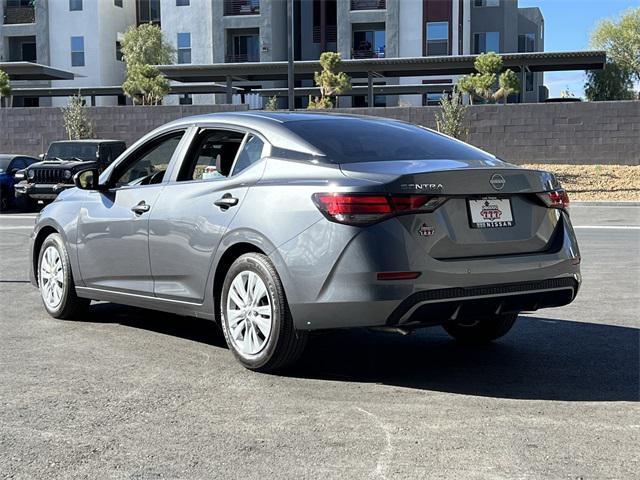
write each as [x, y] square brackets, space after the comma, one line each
[75, 5]
[241, 7]
[244, 48]
[437, 38]
[527, 42]
[122, 100]
[528, 80]
[182, 3]
[77, 51]
[119, 55]
[486, 42]
[148, 11]
[117, 3]
[185, 99]
[368, 44]
[184, 48]
[486, 3]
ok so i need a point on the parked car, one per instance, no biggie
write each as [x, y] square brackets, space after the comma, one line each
[10, 165]
[275, 225]
[46, 179]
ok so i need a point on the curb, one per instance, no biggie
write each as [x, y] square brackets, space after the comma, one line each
[606, 203]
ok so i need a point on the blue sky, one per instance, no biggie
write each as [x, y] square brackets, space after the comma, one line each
[568, 24]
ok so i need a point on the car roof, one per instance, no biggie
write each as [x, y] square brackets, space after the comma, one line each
[88, 140]
[11, 156]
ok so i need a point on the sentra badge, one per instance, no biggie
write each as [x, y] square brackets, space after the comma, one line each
[421, 186]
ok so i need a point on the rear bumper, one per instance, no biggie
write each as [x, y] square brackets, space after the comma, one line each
[41, 191]
[348, 293]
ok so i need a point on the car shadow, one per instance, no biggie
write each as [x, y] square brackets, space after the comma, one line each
[540, 359]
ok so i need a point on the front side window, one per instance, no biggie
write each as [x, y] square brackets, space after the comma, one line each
[184, 48]
[486, 42]
[437, 38]
[75, 5]
[250, 154]
[77, 51]
[148, 167]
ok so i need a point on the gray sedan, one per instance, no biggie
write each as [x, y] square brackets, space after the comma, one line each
[278, 224]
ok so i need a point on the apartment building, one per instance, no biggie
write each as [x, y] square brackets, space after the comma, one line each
[82, 36]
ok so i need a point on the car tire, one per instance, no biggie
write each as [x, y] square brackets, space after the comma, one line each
[55, 279]
[25, 203]
[482, 330]
[257, 324]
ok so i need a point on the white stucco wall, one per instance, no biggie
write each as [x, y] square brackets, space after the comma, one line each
[98, 22]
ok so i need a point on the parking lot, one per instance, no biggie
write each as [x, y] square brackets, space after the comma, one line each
[127, 393]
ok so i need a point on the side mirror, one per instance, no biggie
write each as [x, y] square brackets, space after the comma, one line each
[41, 156]
[88, 179]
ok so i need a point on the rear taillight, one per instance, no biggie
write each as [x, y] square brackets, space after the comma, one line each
[555, 199]
[364, 209]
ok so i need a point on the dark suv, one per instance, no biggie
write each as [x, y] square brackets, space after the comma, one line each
[44, 180]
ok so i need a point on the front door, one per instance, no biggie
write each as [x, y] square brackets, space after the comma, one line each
[113, 225]
[196, 208]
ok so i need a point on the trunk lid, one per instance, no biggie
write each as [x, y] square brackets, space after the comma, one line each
[472, 190]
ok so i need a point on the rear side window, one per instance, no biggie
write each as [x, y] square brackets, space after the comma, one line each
[349, 140]
[250, 154]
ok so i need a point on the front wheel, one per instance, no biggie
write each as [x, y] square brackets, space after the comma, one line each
[55, 280]
[256, 320]
[482, 330]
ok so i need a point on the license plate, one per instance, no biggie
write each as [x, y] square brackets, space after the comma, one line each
[490, 212]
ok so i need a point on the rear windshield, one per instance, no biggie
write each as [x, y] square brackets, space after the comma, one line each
[359, 140]
[68, 151]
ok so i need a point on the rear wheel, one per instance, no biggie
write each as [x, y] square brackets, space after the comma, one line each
[481, 330]
[256, 321]
[55, 280]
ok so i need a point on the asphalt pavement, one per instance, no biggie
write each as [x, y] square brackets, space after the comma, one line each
[134, 394]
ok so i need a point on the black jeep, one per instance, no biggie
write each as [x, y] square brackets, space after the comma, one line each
[44, 180]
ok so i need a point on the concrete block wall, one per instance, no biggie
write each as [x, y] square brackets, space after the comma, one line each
[30, 130]
[570, 133]
[574, 133]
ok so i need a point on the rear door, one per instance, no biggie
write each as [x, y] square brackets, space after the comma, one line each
[197, 206]
[113, 225]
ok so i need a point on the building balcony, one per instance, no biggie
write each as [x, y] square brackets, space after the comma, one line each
[19, 14]
[368, 4]
[242, 7]
[366, 54]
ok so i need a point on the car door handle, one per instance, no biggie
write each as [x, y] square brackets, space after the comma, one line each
[226, 201]
[140, 208]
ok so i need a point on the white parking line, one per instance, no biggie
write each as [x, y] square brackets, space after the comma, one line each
[607, 227]
[17, 217]
[18, 227]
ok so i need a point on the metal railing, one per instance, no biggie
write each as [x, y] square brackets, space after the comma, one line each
[368, 4]
[366, 54]
[23, 14]
[242, 7]
[241, 58]
[331, 32]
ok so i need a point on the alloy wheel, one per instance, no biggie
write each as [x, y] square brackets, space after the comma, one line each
[51, 277]
[249, 314]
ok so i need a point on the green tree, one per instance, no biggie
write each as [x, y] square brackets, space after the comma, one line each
[145, 84]
[5, 87]
[450, 120]
[145, 45]
[610, 83]
[621, 40]
[75, 119]
[490, 83]
[331, 81]
[271, 104]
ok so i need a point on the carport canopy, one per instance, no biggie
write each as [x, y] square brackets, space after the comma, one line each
[34, 71]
